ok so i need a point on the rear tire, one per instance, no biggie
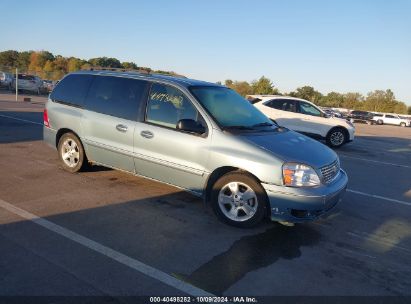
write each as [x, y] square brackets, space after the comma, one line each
[336, 137]
[71, 153]
[379, 121]
[239, 200]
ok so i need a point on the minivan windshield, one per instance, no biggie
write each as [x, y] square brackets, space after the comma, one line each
[229, 109]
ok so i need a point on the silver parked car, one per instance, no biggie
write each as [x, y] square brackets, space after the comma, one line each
[195, 135]
[29, 83]
[6, 80]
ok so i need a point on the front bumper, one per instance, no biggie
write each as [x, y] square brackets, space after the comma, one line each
[296, 205]
[351, 134]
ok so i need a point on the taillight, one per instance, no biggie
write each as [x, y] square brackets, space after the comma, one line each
[46, 119]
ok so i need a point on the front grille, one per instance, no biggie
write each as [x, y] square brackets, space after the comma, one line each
[330, 171]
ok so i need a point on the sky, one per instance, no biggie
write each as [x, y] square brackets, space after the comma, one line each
[343, 46]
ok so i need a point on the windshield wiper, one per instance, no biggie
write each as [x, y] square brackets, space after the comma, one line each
[263, 124]
[237, 128]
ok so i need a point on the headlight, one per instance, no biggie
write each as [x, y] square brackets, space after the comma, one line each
[299, 175]
[350, 123]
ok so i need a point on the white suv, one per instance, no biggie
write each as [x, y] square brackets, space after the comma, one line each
[303, 116]
[391, 119]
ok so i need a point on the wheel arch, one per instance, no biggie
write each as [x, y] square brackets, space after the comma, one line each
[219, 172]
[63, 131]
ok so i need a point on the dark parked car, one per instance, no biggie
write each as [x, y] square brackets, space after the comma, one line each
[361, 116]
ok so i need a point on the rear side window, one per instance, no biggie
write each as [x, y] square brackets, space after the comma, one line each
[275, 104]
[288, 105]
[116, 96]
[72, 90]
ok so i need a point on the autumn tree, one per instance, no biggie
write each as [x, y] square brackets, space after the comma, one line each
[48, 69]
[241, 87]
[38, 60]
[74, 64]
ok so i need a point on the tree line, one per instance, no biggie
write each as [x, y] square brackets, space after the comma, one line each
[49, 66]
[53, 67]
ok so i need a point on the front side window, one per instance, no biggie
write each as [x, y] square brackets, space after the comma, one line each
[167, 105]
[116, 96]
[306, 108]
[390, 116]
[228, 108]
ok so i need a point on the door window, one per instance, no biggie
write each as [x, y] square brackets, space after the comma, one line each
[306, 108]
[116, 96]
[390, 116]
[167, 105]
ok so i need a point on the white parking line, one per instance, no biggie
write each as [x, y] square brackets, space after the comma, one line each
[108, 252]
[380, 197]
[25, 120]
[374, 161]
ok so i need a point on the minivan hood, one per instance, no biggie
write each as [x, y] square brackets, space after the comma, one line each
[291, 146]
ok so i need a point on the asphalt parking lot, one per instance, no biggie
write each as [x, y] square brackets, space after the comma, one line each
[105, 232]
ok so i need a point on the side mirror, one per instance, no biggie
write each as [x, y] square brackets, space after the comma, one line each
[190, 125]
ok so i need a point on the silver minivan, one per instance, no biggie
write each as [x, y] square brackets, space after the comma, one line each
[195, 135]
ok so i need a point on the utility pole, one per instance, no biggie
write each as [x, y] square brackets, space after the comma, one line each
[17, 84]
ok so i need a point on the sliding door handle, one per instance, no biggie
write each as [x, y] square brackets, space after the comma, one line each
[121, 128]
[147, 134]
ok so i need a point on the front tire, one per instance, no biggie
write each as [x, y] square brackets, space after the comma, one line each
[402, 124]
[336, 137]
[71, 153]
[239, 200]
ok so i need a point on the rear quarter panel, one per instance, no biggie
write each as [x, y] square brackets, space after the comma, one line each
[64, 117]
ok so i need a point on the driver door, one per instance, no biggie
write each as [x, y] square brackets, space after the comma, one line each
[163, 152]
[312, 118]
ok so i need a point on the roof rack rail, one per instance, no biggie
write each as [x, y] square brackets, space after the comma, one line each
[141, 71]
[100, 68]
